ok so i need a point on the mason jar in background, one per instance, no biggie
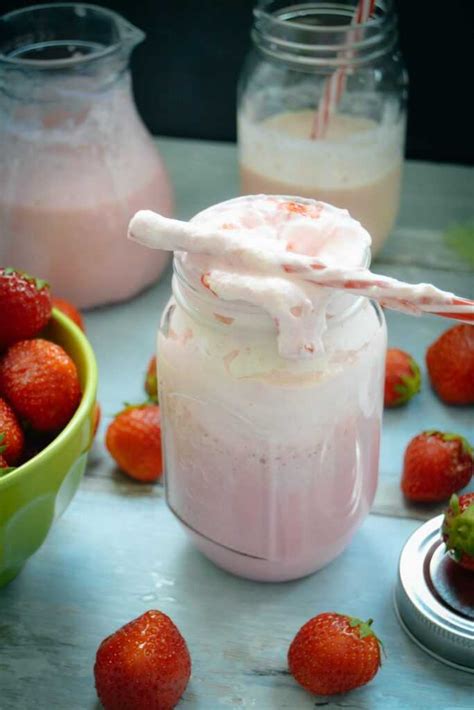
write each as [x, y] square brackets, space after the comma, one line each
[357, 162]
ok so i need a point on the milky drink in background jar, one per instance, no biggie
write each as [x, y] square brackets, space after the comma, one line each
[76, 161]
[271, 393]
[321, 108]
[357, 165]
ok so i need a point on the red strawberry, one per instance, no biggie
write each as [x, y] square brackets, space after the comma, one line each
[145, 665]
[69, 310]
[134, 440]
[12, 440]
[4, 467]
[333, 653]
[40, 381]
[402, 378]
[25, 306]
[96, 417]
[450, 362]
[435, 466]
[151, 380]
[458, 529]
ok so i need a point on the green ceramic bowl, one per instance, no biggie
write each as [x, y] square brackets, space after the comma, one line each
[35, 494]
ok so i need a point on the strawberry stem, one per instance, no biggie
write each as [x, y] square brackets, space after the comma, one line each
[365, 630]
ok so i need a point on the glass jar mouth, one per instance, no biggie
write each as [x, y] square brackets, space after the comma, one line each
[224, 313]
[63, 35]
[321, 33]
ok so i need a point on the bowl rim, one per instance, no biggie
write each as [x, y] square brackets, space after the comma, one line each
[87, 401]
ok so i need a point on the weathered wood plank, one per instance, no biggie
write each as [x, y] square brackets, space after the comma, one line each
[112, 557]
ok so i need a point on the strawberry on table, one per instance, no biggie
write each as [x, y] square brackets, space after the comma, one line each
[436, 465]
[134, 440]
[151, 380]
[69, 310]
[25, 306]
[145, 665]
[333, 653]
[402, 378]
[458, 529]
[12, 440]
[450, 363]
[40, 381]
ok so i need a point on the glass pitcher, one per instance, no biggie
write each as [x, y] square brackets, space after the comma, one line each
[76, 161]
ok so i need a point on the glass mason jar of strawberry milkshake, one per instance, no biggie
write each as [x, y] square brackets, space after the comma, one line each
[76, 160]
[271, 424]
[300, 132]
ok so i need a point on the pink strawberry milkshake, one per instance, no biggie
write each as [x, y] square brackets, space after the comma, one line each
[271, 391]
[69, 183]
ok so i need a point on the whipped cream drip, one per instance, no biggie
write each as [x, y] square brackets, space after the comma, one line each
[292, 258]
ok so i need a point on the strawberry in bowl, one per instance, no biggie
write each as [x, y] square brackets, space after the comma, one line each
[48, 381]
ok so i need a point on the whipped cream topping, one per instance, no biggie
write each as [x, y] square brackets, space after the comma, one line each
[235, 251]
[290, 257]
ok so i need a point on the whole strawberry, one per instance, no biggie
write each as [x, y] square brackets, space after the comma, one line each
[151, 380]
[69, 310]
[402, 378]
[25, 306]
[40, 381]
[435, 466]
[145, 665]
[458, 530]
[333, 653]
[450, 363]
[134, 440]
[12, 440]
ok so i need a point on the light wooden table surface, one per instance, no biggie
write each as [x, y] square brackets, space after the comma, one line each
[117, 551]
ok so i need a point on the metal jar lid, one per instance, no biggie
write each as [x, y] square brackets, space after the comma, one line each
[434, 598]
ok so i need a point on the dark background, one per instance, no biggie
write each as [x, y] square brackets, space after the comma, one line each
[185, 72]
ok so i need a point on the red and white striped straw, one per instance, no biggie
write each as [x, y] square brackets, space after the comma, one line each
[334, 86]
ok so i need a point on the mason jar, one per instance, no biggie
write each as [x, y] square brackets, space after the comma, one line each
[271, 463]
[351, 156]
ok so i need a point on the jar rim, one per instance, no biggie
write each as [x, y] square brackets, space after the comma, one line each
[246, 309]
[241, 308]
[344, 9]
[128, 36]
[280, 32]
